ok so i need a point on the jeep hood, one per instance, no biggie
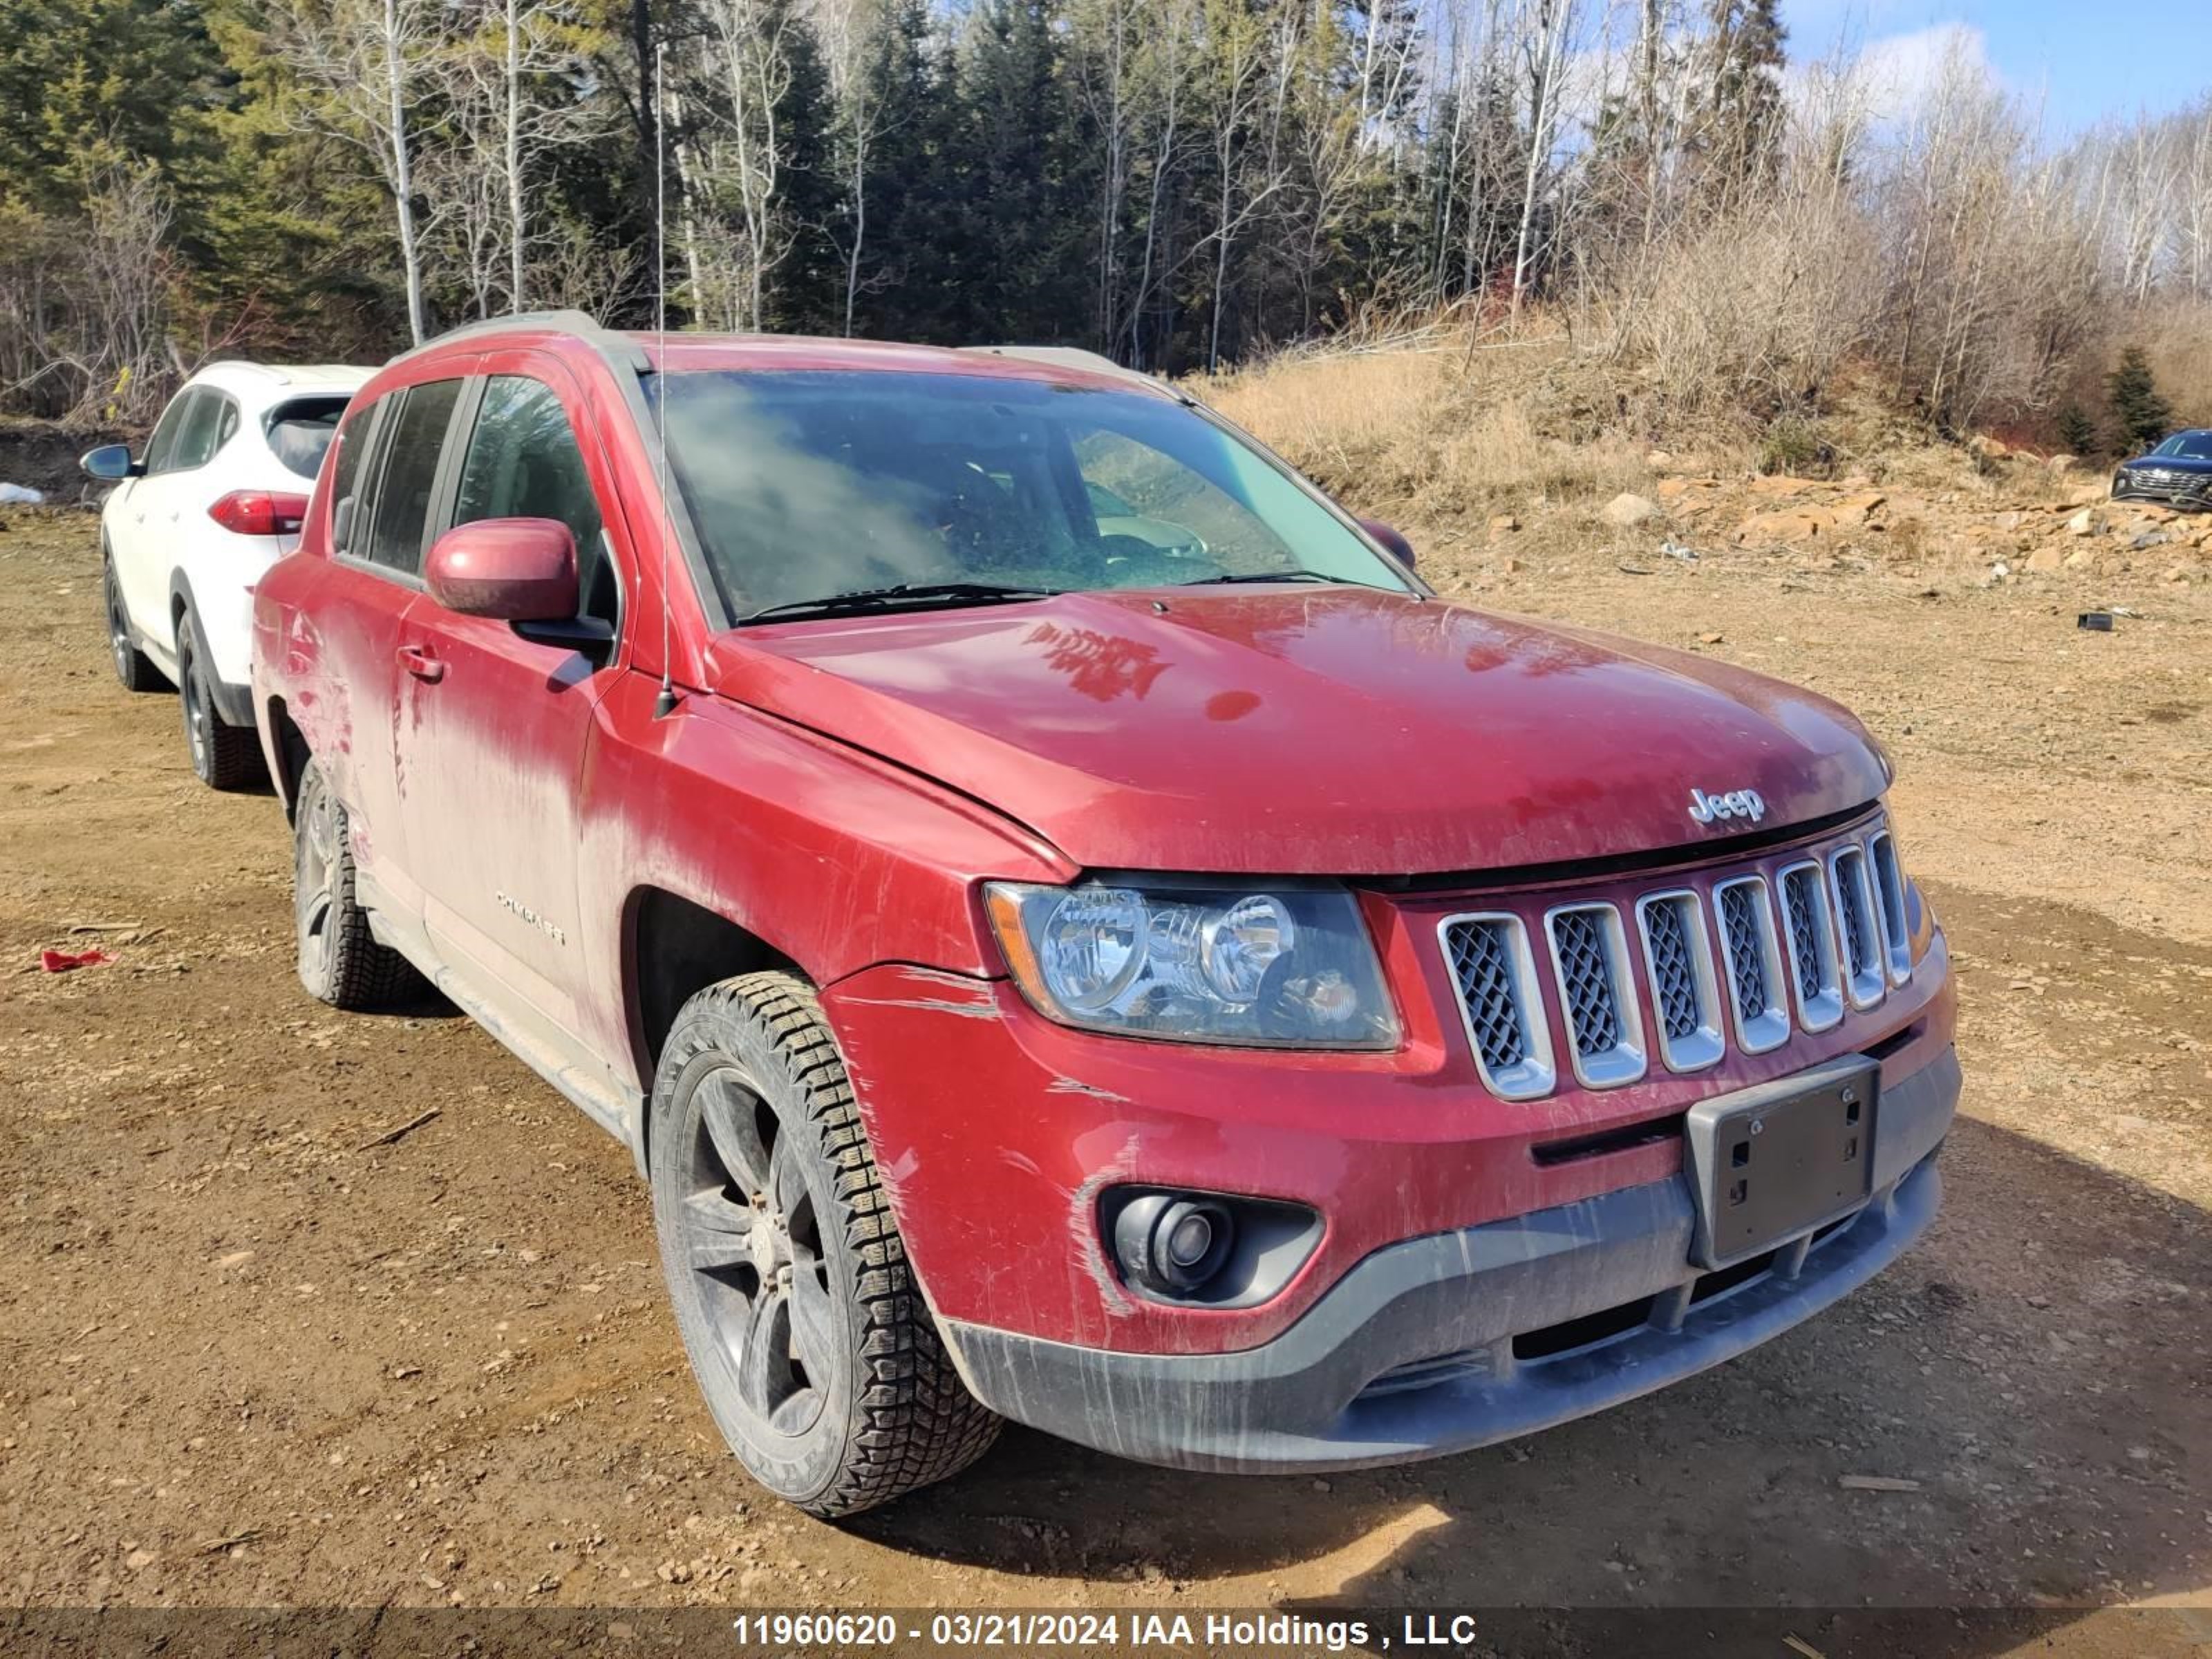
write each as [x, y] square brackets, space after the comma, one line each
[1305, 730]
[2171, 463]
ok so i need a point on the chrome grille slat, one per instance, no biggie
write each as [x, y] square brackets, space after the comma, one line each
[1501, 1004]
[1812, 945]
[1863, 978]
[1747, 970]
[1754, 958]
[1685, 992]
[1889, 895]
[1597, 998]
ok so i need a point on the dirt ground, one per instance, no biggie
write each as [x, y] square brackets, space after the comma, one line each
[243, 1362]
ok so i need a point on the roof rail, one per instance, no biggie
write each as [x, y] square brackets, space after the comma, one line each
[578, 324]
[1077, 357]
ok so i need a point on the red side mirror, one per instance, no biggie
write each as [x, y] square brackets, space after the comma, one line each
[1397, 545]
[517, 571]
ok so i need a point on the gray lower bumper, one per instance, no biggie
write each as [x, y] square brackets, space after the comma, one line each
[1410, 1354]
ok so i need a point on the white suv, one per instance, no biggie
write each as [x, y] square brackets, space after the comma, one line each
[189, 529]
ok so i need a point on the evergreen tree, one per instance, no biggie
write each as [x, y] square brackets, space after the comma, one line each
[2077, 431]
[1741, 113]
[2139, 415]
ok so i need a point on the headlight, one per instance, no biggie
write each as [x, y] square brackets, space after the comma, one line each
[1290, 967]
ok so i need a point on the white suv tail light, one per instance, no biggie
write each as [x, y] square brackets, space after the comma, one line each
[260, 513]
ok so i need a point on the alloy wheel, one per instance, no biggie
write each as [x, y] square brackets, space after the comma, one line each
[753, 1244]
[314, 878]
[118, 629]
[196, 711]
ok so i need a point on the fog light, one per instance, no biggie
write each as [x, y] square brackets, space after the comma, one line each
[1173, 1245]
[1192, 1237]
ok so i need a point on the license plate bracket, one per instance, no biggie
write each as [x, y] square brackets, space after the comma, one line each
[1769, 1162]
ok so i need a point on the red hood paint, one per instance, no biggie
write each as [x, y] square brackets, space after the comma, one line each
[1305, 731]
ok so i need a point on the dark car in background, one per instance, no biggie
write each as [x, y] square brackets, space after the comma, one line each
[2178, 473]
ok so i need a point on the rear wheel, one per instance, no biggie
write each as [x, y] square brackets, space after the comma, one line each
[340, 961]
[805, 1329]
[131, 665]
[224, 757]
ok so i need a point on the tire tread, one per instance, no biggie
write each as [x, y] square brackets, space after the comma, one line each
[363, 974]
[916, 1423]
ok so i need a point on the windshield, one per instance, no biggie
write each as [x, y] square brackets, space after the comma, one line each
[804, 485]
[2188, 445]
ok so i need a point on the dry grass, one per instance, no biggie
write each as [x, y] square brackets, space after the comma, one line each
[1442, 429]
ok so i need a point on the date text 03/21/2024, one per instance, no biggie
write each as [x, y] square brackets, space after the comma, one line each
[1032, 1628]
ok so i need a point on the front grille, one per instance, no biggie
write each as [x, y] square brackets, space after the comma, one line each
[1499, 1001]
[1589, 963]
[1766, 952]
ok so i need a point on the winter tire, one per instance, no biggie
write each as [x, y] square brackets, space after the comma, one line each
[132, 666]
[224, 757]
[340, 961]
[806, 1331]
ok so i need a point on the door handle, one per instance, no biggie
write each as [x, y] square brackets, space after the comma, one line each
[417, 660]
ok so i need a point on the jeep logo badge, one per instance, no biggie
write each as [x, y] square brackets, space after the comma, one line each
[1736, 804]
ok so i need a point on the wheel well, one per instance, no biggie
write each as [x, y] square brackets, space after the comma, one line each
[292, 755]
[674, 949]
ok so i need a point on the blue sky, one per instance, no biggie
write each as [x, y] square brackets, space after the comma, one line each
[2085, 60]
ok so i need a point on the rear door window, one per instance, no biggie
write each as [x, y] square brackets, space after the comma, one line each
[399, 518]
[524, 462]
[199, 434]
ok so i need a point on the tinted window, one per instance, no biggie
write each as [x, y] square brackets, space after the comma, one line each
[523, 463]
[200, 434]
[163, 444]
[805, 484]
[401, 513]
[299, 432]
[345, 480]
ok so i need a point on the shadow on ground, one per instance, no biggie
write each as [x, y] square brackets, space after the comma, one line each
[2037, 1365]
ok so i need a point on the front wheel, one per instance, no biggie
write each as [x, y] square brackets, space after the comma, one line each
[807, 1334]
[131, 667]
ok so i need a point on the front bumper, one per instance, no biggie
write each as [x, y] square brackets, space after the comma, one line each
[2187, 495]
[1411, 1354]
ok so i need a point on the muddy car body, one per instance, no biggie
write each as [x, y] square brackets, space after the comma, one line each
[1285, 1020]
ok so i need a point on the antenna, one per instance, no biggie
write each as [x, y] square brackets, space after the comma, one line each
[664, 704]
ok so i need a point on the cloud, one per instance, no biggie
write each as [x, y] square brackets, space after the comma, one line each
[1898, 71]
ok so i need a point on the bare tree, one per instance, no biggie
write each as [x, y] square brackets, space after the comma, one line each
[753, 67]
[365, 60]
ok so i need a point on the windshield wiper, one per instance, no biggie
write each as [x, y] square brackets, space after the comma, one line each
[1274, 576]
[895, 597]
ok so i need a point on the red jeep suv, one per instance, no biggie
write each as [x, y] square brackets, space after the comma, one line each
[1070, 926]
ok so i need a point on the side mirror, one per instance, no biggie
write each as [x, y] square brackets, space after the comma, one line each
[110, 463]
[1397, 545]
[514, 571]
